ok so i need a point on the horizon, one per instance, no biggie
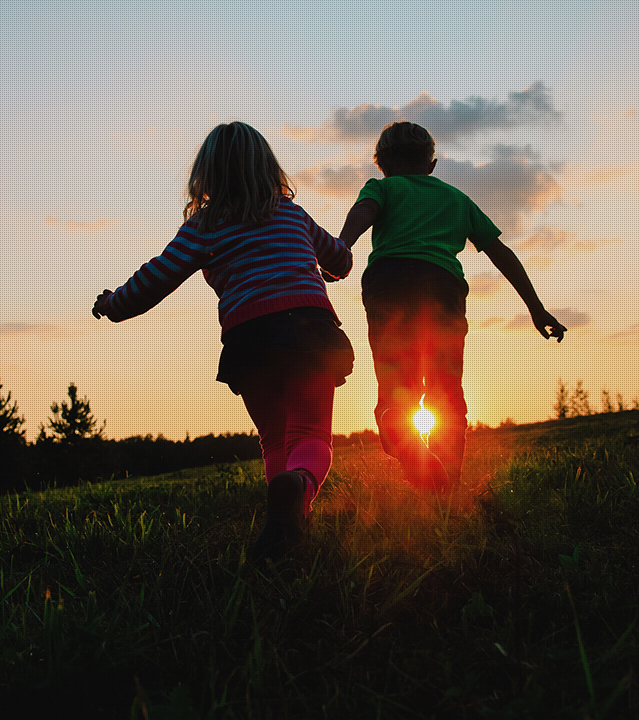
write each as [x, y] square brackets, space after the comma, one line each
[107, 106]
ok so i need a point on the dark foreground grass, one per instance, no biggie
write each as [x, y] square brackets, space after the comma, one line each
[516, 598]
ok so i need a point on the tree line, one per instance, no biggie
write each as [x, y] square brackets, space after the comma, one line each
[72, 447]
[576, 402]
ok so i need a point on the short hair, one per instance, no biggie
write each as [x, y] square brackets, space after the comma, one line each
[403, 143]
[235, 176]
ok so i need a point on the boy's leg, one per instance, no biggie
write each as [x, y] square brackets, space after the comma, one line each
[442, 368]
[417, 341]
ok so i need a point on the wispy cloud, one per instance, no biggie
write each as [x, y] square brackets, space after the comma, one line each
[547, 239]
[99, 225]
[343, 182]
[460, 119]
[491, 322]
[484, 285]
[631, 334]
[39, 330]
[569, 317]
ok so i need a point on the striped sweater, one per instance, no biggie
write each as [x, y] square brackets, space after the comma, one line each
[254, 269]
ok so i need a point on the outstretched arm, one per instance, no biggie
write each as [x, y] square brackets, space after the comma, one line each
[360, 217]
[505, 260]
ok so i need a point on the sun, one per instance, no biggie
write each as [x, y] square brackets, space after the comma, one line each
[423, 419]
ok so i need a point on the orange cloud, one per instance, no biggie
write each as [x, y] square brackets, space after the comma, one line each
[567, 316]
[548, 239]
[484, 285]
[625, 336]
[99, 225]
[41, 330]
[538, 262]
[343, 182]
[491, 322]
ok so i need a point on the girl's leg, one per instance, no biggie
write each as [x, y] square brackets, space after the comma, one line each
[308, 407]
[264, 401]
[293, 416]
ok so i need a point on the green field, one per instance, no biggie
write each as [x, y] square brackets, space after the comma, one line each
[516, 598]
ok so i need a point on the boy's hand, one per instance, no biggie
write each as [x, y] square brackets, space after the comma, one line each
[101, 306]
[542, 319]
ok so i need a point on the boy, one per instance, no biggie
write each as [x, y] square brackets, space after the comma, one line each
[414, 293]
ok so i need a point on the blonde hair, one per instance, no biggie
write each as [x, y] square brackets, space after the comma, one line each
[403, 143]
[235, 176]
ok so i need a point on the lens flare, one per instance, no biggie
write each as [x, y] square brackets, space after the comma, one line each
[423, 419]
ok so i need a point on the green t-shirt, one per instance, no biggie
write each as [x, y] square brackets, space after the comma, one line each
[422, 217]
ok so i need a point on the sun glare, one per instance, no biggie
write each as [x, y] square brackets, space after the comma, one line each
[423, 419]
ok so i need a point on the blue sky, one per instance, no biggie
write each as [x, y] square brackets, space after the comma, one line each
[535, 107]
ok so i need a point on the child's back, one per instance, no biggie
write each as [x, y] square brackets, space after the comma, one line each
[414, 293]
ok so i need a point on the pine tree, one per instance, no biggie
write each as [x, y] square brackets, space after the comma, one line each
[10, 422]
[72, 421]
[561, 406]
[579, 403]
[606, 402]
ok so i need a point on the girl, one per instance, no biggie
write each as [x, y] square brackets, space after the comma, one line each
[283, 351]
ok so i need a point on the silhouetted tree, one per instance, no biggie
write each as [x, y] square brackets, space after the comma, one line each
[12, 443]
[579, 403]
[10, 422]
[606, 402]
[621, 406]
[561, 406]
[72, 421]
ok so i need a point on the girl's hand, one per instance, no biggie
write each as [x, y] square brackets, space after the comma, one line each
[328, 277]
[542, 319]
[101, 306]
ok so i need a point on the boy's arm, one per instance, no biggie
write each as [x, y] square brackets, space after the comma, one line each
[505, 260]
[360, 217]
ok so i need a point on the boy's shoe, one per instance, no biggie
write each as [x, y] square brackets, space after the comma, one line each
[285, 520]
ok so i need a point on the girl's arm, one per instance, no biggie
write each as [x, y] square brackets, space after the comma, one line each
[360, 217]
[508, 264]
[183, 256]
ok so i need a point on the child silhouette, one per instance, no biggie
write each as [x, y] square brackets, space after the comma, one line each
[414, 293]
[283, 350]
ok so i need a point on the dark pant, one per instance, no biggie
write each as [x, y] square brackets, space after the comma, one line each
[417, 326]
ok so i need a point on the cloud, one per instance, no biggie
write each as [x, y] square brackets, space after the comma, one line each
[40, 330]
[545, 238]
[491, 322]
[462, 118]
[99, 225]
[519, 322]
[484, 285]
[511, 185]
[625, 336]
[343, 182]
[538, 262]
[571, 318]
[567, 316]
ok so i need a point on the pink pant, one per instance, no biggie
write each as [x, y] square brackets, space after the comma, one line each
[293, 413]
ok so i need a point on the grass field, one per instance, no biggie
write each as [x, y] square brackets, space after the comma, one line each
[516, 598]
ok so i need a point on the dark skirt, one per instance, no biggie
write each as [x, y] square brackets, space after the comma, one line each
[304, 338]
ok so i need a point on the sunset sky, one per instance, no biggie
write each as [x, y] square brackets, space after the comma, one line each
[535, 110]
